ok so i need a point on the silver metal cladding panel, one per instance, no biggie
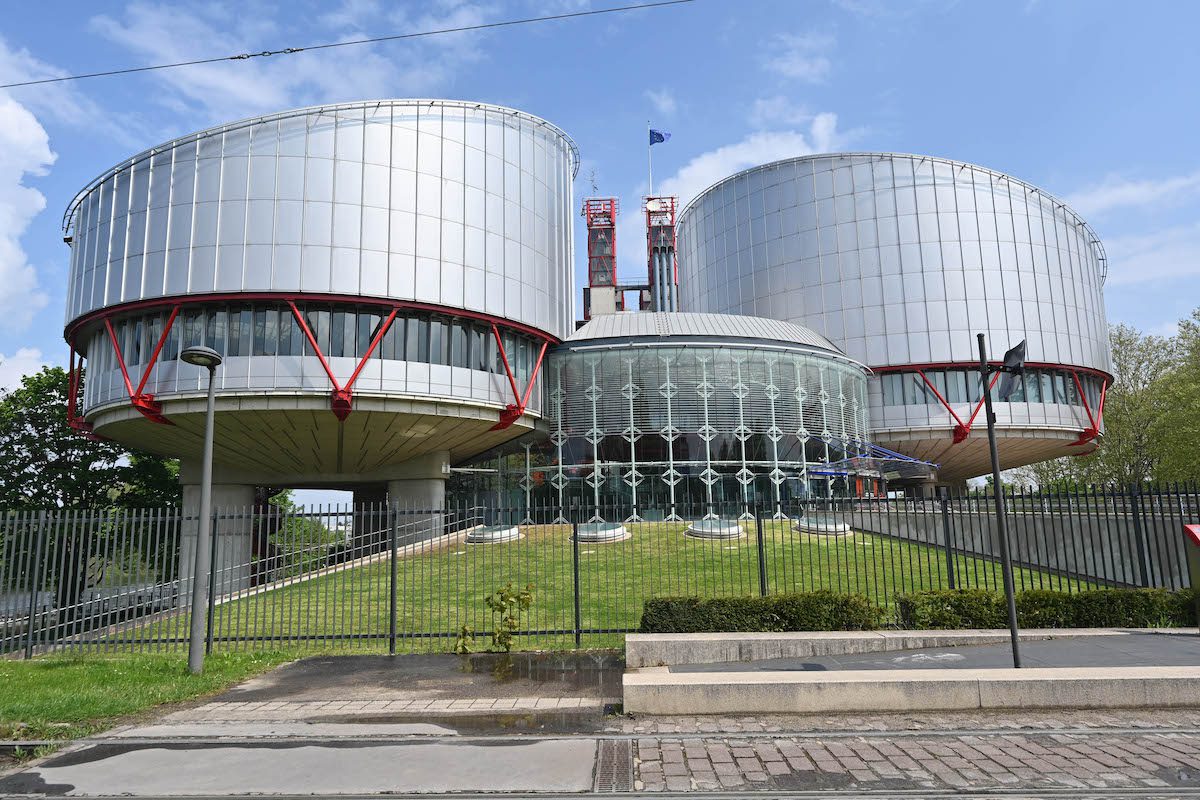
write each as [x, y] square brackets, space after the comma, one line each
[898, 259]
[456, 204]
[901, 260]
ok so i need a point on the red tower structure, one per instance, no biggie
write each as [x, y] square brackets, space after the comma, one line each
[662, 266]
[602, 295]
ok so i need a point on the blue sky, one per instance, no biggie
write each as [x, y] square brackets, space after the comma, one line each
[1095, 102]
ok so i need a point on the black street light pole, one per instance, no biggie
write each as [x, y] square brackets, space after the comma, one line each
[209, 359]
[998, 492]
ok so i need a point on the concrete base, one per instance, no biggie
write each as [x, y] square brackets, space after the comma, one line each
[717, 529]
[420, 497]
[601, 532]
[493, 534]
[659, 691]
[233, 531]
[672, 649]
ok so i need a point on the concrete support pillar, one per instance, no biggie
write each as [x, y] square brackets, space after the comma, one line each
[233, 533]
[418, 491]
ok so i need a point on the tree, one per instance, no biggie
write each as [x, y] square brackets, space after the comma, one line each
[44, 463]
[1131, 448]
[1176, 430]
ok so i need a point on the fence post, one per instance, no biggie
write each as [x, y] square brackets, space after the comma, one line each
[34, 569]
[1139, 535]
[393, 520]
[946, 542]
[212, 586]
[575, 578]
[762, 555]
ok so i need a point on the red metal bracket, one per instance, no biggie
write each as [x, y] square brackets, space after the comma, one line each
[513, 411]
[144, 403]
[74, 420]
[961, 429]
[1093, 430]
[341, 402]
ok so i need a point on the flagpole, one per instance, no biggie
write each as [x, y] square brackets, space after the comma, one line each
[649, 160]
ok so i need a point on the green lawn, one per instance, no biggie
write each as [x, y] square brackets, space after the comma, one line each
[441, 591]
[71, 695]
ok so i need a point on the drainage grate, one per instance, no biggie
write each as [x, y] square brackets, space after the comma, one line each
[614, 766]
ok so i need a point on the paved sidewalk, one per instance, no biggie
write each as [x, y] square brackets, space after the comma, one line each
[1009, 761]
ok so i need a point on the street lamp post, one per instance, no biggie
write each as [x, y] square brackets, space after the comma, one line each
[1013, 364]
[209, 359]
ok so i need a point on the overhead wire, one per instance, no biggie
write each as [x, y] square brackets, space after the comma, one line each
[353, 42]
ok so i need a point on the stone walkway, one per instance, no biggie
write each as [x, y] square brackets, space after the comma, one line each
[1009, 761]
[281, 710]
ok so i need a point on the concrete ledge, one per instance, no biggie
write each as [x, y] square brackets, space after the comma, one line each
[667, 649]
[659, 691]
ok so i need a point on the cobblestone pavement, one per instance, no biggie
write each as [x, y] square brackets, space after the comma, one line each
[1075, 750]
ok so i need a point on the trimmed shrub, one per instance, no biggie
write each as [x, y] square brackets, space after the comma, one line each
[943, 609]
[826, 611]
[1182, 606]
[1122, 608]
[1042, 608]
[808, 611]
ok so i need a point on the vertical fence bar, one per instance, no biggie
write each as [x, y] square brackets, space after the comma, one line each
[575, 580]
[394, 566]
[947, 546]
[1139, 535]
[212, 586]
[762, 554]
[31, 627]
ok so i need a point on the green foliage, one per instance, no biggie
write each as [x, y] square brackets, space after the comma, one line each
[806, 611]
[1122, 608]
[506, 605]
[63, 696]
[1176, 429]
[302, 540]
[464, 640]
[46, 464]
[1093, 608]
[951, 609]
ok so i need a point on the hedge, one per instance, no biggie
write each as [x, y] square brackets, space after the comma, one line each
[930, 610]
[808, 611]
[1095, 608]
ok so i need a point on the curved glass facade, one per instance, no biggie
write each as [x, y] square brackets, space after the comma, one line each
[421, 353]
[643, 424]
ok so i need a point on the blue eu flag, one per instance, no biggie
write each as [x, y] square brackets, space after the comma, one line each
[658, 136]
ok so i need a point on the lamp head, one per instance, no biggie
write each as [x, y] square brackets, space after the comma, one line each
[202, 357]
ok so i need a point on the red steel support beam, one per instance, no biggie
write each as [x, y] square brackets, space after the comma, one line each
[941, 399]
[145, 404]
[1093, 430]
[341, 402]
[162, 339]
[513, 411]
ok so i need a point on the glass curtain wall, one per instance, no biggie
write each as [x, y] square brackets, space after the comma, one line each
[724, 427]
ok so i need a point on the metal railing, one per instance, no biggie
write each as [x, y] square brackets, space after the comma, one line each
[392, 578]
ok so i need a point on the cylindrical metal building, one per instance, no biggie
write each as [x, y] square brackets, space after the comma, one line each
[383, 279]
[900, 260]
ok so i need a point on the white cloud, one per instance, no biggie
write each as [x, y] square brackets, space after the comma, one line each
[24, 151]
[230, 89]
[800, 56]
[1115, 192]
[25, 361]
[757, 148]
[662, 100]
[778, 110]
[1165, 254]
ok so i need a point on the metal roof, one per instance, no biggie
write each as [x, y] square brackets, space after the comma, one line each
[666, 324]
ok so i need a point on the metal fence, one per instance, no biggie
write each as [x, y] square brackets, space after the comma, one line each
[390, 578]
